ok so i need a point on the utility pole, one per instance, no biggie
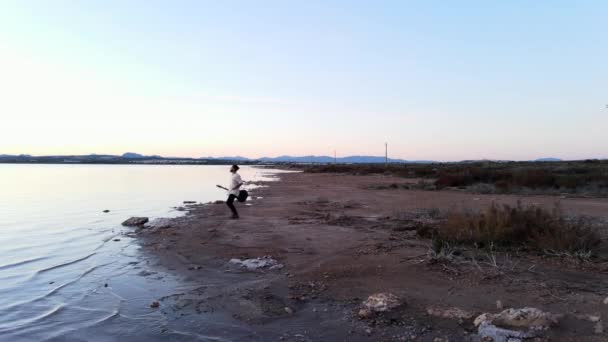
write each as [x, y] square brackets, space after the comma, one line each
[385, 154]
[335, 158]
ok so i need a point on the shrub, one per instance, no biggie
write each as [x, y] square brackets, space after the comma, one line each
[519, 226]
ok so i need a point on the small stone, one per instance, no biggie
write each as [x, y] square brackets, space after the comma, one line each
[212, 230]
[364, 313]
[105, 285]
[499, 304]
[289, 310]
[116, 240]
[155, 305]
[368, 331]
[106, 211]
[598, 328]
[606, 300]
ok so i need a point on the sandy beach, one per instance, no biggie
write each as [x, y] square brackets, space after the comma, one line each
[339, 241]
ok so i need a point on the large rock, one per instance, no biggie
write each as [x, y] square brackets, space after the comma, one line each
[135, 222]
[382, 302]
[520, 318]
[512, 324]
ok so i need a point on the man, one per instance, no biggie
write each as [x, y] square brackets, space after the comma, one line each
[233, 190]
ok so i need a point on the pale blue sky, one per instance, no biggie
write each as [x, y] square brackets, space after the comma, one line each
[443, 80]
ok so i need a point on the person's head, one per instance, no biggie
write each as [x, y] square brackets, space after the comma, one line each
[234, 168]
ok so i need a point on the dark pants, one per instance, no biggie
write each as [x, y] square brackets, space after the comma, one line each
[230, 204]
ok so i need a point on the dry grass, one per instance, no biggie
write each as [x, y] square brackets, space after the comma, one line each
[528, 227]
[589, 177]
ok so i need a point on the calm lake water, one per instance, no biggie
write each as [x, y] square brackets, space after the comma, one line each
[67, 270]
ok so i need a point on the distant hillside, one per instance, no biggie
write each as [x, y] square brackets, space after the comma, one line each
[324, 159]
[547, 160]
[132, 155]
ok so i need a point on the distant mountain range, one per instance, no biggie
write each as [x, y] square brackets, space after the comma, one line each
[325, 159]
[132, 157]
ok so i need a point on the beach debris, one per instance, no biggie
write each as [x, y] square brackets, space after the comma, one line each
[381, 302]
[155, 305]
[513, 324]
[265, 262]
[161, 222]
[450, 313]
[598, 328]
[106, 211]
[135, 221]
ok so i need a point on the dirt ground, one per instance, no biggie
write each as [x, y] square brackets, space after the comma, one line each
[340, 241]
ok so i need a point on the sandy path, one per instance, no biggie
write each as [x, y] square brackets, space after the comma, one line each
[339, 244]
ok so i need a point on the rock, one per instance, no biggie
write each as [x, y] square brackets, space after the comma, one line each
[451, 313]
[160, 223]
[598, 328]
[382, 302]
[116, 240]
[606, 300]
[493, 333]
[155, 305]
[514, 324]
[368, 331]
[212, 230]
[289, 310]
[364, 313]
[135, 222]
[499, 305]
[524, 318]
[258, 263]
[106, 211]
[189, 202]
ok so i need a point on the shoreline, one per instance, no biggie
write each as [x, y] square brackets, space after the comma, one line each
[340, 242]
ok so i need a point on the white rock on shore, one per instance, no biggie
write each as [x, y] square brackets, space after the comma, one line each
[161, 222]
[265, 262]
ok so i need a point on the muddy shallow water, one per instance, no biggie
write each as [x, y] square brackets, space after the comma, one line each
[69, 271]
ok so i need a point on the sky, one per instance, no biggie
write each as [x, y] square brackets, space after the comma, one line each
[436, 80]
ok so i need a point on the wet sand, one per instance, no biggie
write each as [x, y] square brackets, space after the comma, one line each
[340, 242]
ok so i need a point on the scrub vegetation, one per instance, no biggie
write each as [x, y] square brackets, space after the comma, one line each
[586, 178]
